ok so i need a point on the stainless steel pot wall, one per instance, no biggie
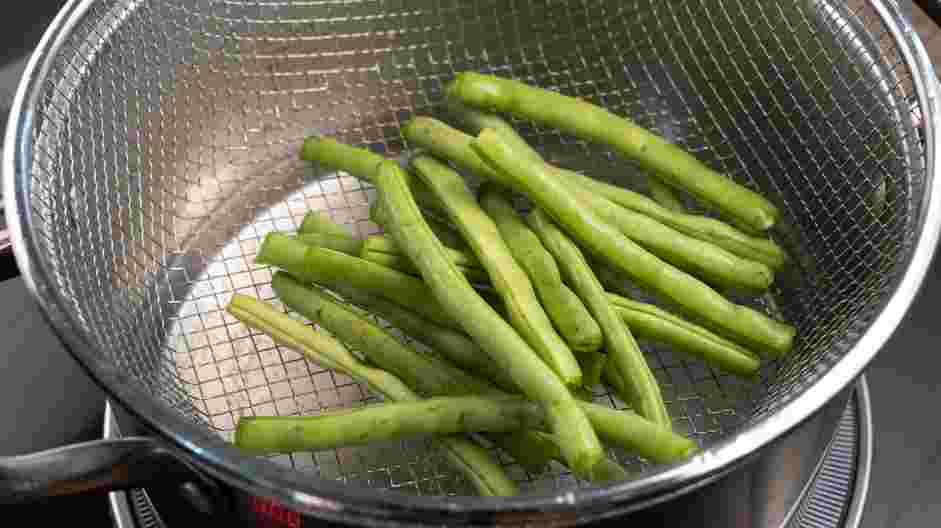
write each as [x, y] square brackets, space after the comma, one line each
[155, 144]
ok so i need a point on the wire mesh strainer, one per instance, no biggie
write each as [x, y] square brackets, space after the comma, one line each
[156, 143]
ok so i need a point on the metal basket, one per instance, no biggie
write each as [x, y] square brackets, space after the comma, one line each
[154, 144]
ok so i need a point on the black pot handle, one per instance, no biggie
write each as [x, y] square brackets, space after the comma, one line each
[8, 268]
[105, 465]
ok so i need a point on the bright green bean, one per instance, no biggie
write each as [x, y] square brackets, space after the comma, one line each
[738, 322]
[454, 345]
[733, 240]
[448, 236]
[358, 162]
[424, 373]
[583, 119]
[383, 422]
[570, 317]
[386, 244]
[442, 416]
[664, 195]
[625, 356]
[328, 268]
[651, 322]
[526, 314]
[401, 263]
[343, 244]
[320, 222]
[581, 448]
[472, 460]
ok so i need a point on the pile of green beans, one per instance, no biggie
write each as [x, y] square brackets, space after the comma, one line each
[518, 311]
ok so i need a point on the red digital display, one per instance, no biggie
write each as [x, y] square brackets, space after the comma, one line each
[270, 513]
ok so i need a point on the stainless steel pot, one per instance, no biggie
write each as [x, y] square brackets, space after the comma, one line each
[155, 143]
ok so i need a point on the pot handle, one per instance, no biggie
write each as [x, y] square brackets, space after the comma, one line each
[104, 465]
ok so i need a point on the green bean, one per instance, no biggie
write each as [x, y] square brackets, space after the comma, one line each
[476, 120]
[422, 373]
[526, 314]
[664, 195]
[425, 373]
[651, 322]
[530, 448]
[702, 258]
[536, 447]
[629, 431]
[570, 317]
[472, 460]
[581, 448]
[444, 416]
[448, 236]
[319, 222]
[446, 381]
[328, 268]
[401, 263]
[740, 323]
[583, 119]
[387, 244]
[384, 422]
[454, 345]
[358, 162]
[625, 356]
[729, 238]
[343, 244]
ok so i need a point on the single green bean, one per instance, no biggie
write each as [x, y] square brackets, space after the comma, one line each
[358, 162]
[454, 345]
[343, 244]
[526, 314]
[384, 422]
[424, 373]
[581, 448]
[570, 317]
[583, 119]
[625, 356]
[328, 268]
[403, 264]
[702, 258]
[444, 416]
[320, 222]
[648, 321]
[741, 323]
[472, 460]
